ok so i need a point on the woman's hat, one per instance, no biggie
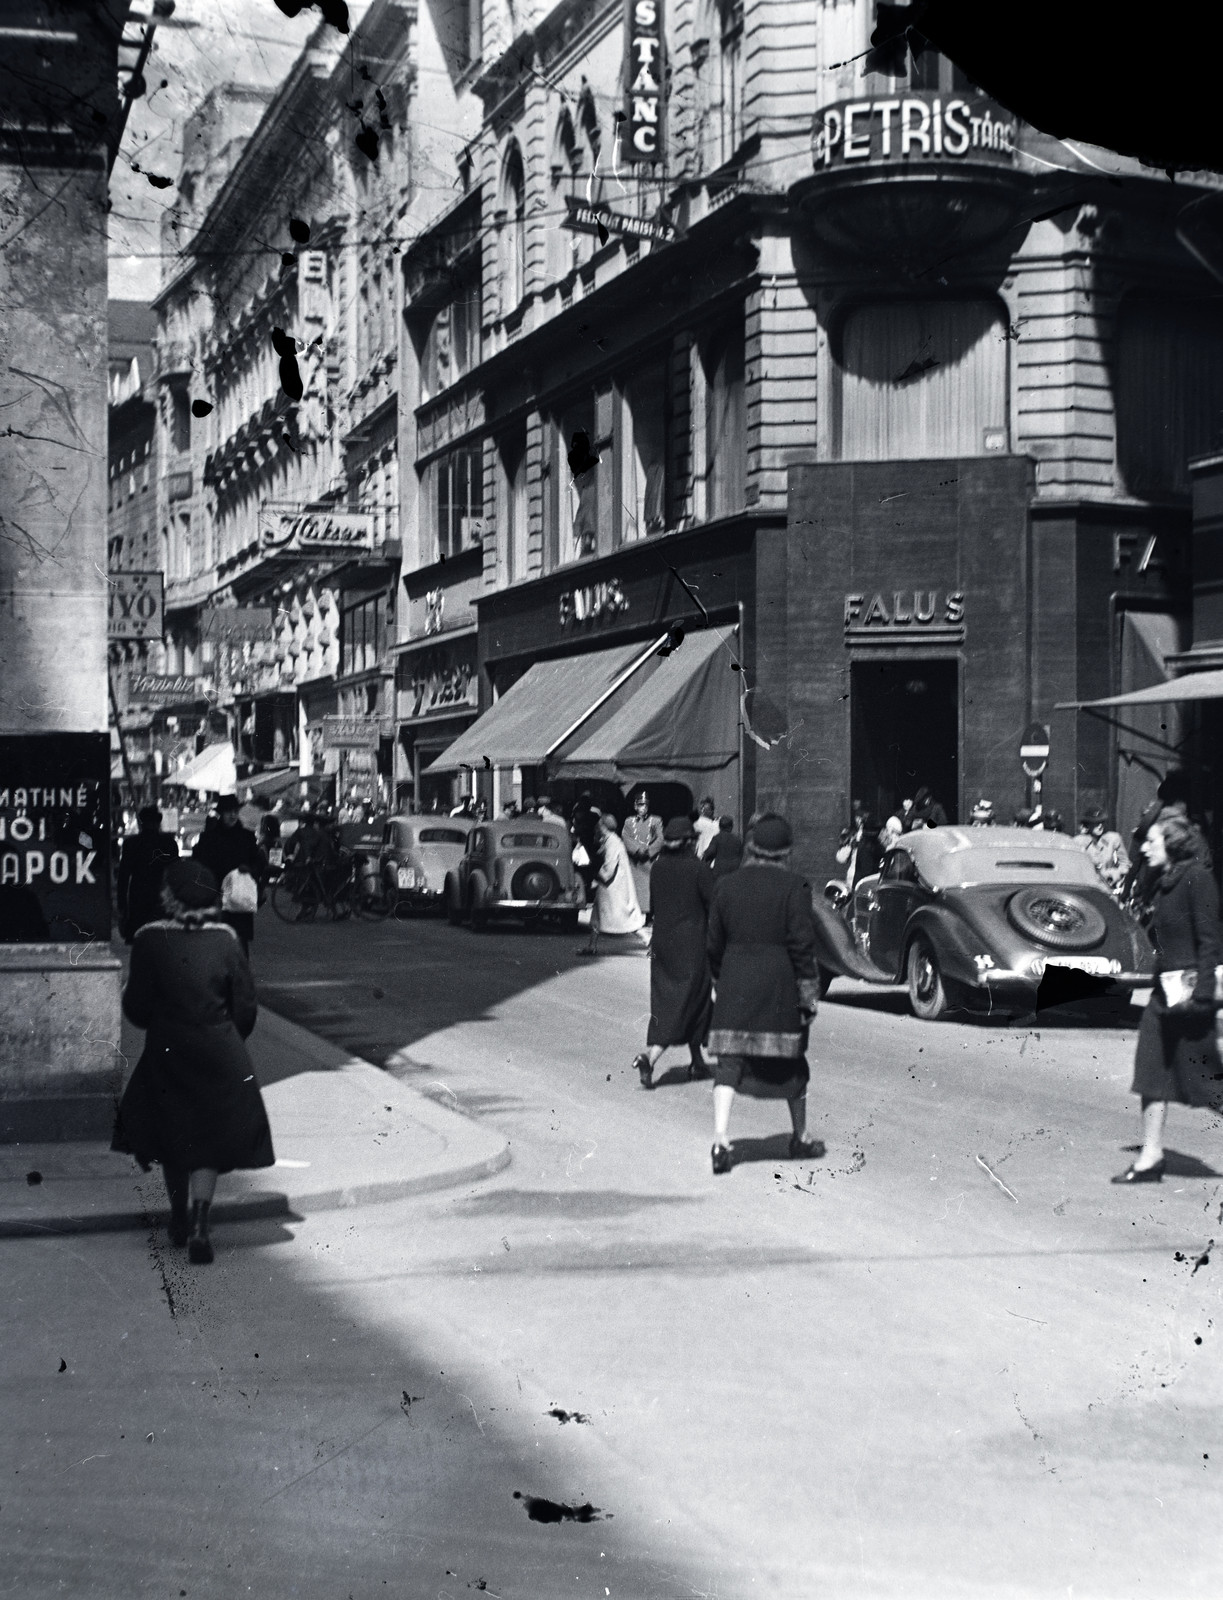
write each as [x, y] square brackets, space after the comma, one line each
[191, 884]
[983, 808]
[772, 836]
[677, 830]
[229, 802]
[1093, 815]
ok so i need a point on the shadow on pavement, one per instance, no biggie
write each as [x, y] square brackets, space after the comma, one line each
[573, 1204]
[1179, 1165]
[246, 1428]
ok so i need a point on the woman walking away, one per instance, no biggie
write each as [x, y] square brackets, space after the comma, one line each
[762, 955]
[616, 910]
[1177, 1058]
[192, 1103]
[725, 853]
[681, 1001]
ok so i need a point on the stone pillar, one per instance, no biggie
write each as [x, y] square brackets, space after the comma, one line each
[60, 1067]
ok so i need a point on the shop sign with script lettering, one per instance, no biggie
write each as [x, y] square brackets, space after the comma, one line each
[914, 127]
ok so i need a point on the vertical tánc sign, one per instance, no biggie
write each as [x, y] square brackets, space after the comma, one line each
[645, 77]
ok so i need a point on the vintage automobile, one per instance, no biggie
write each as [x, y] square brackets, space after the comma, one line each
[521, 867]
[975, 917]
[416, 854]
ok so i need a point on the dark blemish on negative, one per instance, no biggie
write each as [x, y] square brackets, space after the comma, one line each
[1204, 1259]
[290, 375]
[333, 11]
[288, 259]
[581, 1416]
[581, 459]
[201, 408]
[549, 1511]
[299, 231]
[32, 1178]
[380, 994]
[405, 1405]
[1197, 1338]
[367, 142]
[63, 1365]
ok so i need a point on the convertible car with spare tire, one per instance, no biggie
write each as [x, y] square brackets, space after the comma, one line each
[975, 918]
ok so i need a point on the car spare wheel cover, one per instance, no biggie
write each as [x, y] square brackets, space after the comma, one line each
[534, 881]
[1057, 918]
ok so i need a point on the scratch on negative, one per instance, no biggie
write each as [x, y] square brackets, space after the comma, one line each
[472, 1404]
[984, 1165]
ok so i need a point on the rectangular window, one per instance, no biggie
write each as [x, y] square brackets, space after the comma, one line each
[180, 420]
[363, 638]
[513, 527]
[459, 499]
[725, 423]
[643, 453]
[576, 496]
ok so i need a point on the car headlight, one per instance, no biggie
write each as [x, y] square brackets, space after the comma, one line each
[1036, 967]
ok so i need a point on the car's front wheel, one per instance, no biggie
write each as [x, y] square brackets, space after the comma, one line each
[927, 992]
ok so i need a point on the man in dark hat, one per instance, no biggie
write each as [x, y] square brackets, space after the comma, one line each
[1105, 848]
[142, 868]
[761, 947]
[680, 985]
[232, 854]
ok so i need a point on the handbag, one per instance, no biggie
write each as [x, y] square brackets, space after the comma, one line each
[239, 892]
[580, 857]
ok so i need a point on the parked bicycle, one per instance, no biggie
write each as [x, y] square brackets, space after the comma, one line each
[337, 889]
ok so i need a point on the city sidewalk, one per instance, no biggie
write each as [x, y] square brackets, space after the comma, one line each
[345, 1134]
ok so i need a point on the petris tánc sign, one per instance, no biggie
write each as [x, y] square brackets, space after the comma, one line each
[54, 838]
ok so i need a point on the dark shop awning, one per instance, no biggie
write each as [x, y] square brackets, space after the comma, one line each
[1194, 686]
[549, 705]
[683, 718]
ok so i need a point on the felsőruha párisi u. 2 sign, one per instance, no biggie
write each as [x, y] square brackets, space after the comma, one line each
[645, 69]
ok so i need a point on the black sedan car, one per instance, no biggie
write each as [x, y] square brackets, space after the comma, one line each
[975, 917]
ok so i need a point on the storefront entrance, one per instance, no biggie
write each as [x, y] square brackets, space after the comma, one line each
[905, 733]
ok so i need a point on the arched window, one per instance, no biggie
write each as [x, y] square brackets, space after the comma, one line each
[513, 230]
[566, 166]
[717, 57]
[921, 379]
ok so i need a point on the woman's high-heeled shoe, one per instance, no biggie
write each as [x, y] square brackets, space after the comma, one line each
[1153, 1174]
[720, 1155]
[806, 1149]
[179, 1227]
[199, 1245]
[644, 1070]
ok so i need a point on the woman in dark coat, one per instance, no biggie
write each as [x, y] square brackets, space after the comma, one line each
[725, 852]
[761, 947]
[1177, 1057]
[681, 1000]
[229, 847]
[192, 1103]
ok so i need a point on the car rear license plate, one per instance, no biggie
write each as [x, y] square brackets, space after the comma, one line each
[1094, 966]
[407, 878]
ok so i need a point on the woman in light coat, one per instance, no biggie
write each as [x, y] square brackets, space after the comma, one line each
[616, 909]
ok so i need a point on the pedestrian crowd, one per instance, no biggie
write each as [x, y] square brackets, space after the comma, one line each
[730, 935]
